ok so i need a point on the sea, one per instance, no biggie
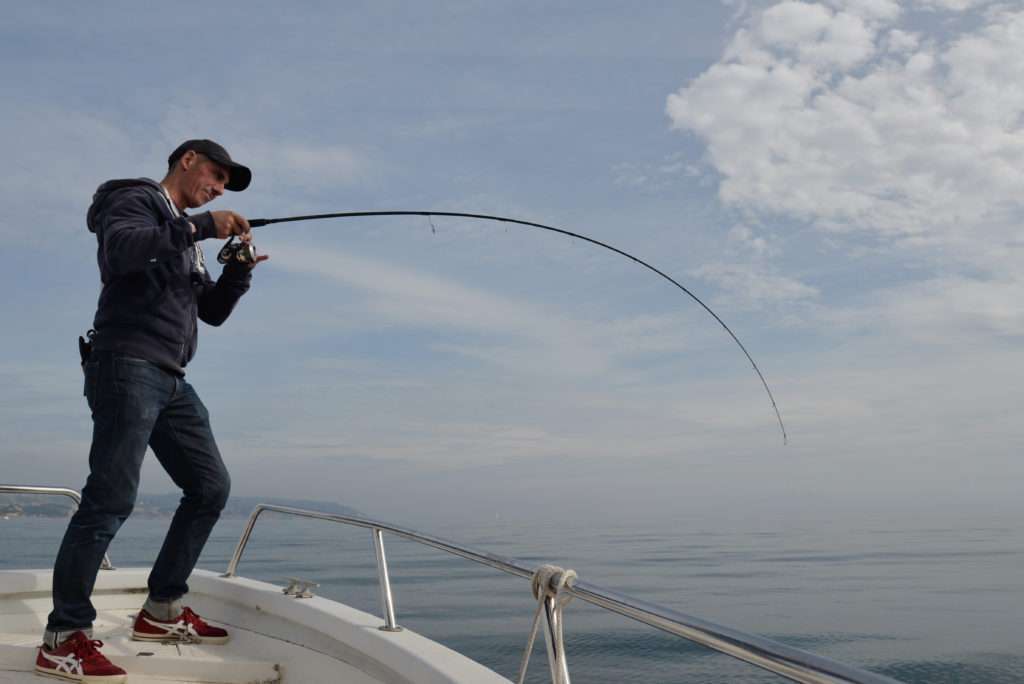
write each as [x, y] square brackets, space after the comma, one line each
[940, 604]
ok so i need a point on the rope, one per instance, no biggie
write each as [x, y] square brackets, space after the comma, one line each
[549, 581]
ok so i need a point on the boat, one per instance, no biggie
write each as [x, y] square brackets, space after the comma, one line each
[288, 635]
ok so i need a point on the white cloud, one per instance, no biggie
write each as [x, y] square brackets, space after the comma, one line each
[745, 237]
[656, 177]
[902, 41]
[941, 310]
[808, 115]
[950, 5]
[883, 10]
[508, 331]
[791, 23]
[45, 190]
[277, 163]
[869, 9]
[815, 34]
[296, 164]
[887, 129]
[752, 285]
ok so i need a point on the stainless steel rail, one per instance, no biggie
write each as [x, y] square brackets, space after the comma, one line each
[791, 663]
[58, 491]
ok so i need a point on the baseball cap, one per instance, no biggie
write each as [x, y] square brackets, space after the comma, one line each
[239, 176]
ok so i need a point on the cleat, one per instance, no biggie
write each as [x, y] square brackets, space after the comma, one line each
[78, 659]
[188, 628]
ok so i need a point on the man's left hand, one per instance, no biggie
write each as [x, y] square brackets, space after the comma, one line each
[247, 238]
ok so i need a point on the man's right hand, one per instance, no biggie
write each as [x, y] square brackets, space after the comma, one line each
[229, 223]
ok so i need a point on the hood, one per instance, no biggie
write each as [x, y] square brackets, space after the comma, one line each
[104, 192]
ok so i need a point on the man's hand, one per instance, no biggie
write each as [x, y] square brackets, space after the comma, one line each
[229, 223]
[247, 237]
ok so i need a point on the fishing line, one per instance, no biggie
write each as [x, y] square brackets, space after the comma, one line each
[256, 223]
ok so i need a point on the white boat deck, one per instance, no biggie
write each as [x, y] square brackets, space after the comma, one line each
[274, 638]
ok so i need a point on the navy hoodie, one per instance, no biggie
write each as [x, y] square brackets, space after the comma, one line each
[154, 287]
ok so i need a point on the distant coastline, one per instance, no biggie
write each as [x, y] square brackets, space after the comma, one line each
[153, 506]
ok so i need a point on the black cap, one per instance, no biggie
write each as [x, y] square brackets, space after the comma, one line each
[238, 176]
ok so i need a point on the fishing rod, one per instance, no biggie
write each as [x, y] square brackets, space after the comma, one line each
[243, 252]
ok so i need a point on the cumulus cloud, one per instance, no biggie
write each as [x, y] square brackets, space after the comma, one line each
[950, 5]
[859, 120]
[836, 114]
[815, 35]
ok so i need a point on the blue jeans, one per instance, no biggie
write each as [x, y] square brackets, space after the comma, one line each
[135, 403]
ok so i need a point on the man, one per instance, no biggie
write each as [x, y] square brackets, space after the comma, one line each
[155, 285]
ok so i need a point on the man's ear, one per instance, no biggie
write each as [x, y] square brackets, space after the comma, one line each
[188, 159]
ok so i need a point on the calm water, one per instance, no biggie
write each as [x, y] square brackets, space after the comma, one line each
[919, 605]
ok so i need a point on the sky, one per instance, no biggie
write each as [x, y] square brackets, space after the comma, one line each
[842, 181]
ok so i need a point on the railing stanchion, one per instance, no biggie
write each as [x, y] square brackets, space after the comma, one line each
[243, 541]
[387, 601]
[553, 637]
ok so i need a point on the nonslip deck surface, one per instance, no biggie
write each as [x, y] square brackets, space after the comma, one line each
[248, 658]
[275, 638]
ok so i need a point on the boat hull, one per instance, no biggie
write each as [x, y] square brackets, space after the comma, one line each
[275, 638]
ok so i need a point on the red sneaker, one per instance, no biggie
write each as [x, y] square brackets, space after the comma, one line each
[79, 660]
[188, 628]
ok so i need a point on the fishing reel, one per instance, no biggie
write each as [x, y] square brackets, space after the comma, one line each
[242, 252]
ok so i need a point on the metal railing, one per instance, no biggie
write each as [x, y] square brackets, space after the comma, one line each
[58, 491]
[791, 663]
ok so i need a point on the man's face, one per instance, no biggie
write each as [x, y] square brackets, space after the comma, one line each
[203, 180]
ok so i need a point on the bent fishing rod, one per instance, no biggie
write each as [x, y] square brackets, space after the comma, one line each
[256, 223]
